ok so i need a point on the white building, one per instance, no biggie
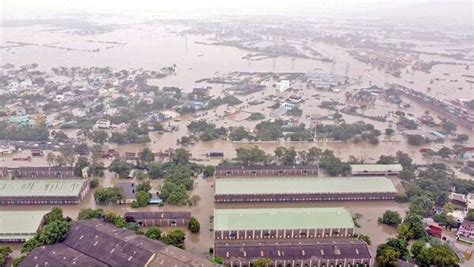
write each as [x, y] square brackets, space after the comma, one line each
[102, 124]
[283, 85]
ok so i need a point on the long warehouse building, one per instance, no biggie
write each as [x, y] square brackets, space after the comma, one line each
[376, 169]
[307, 189]
[20, 226]
[42, 192]
[305, 253]
[282, 223]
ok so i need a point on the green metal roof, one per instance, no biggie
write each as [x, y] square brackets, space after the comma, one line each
[376, 167]
[285, 218]
[20, 224]
[40, 188]
[315, 185]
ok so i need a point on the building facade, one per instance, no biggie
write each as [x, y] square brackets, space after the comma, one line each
[466, 229]
[376, 169]
[266, 170]
[313, 253]
[282, 223]
[160, 218]
[43, 172]
[42, 192]
[20, 226]
[233, 190]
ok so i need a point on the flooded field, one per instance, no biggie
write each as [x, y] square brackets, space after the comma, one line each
[155, 46]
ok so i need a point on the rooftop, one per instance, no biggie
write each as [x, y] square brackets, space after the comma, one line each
[40, 188]
[285, 218]
[266, 167]
[310, 185]
[377, 167]
[315, 249]
[30, 222]
[96, 243]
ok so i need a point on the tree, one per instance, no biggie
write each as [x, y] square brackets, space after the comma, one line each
[263, 262]
[31, 244]
[115, 219]
[82, 149]
[406, 175]
[313, 154]
[470, 215]
[449, 126]
[60, 160]
[391, 218]
[416, 140]
[412, 227]
[209, 171]
[99, 137]
[181, 156]
[68, 154]
[153, 233]
[146, 155]
[389, 132]
[56, 214]
[132, 226]
[386, 160]
[51, 158]
[437, 255]
[174, 238]
[421, 205]
[333, 165]
[81, 163]
[155, 170]
[104, 196]
[60, 136]
[239, 134]
[290, 156]
[4, 254]
[54, 232]
[142, 199]
[87, 214]
[417, 248]
[366, 239]
[145, 187]
[404, 159]
[173, 194]
[388, 257]
[193, 225]
[461, 138]
[121, 167]
[249, 156]
[400, 245]
[96, 153]
[218, 260]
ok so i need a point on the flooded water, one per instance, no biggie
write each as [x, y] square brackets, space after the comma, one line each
[155, 46]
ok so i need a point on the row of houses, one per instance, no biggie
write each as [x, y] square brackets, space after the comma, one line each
[288, 237]
[294, 236]
[303, 189]
[11, 231]
[43, 192]
[57, 172]
[100, 244]
[159, 218]
[302, 170]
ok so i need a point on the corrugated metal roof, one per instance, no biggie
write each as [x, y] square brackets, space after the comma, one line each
[40, 188]
[377, 167]
[20, 224]
[284, 218]
[311, 185]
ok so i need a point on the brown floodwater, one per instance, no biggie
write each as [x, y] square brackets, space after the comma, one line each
[153, 47]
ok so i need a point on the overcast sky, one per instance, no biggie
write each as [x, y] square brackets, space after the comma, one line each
[442, 9]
